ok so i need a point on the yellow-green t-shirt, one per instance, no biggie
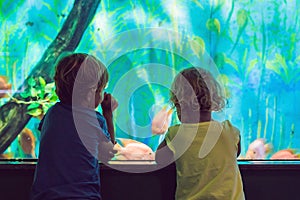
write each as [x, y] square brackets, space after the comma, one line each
[211, 173]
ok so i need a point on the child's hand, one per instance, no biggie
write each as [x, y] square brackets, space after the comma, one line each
[106, 151]
[109, 103]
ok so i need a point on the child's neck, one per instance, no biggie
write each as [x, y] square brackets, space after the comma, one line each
[197, 117]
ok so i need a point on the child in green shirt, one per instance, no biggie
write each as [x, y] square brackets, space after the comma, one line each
[203, 149]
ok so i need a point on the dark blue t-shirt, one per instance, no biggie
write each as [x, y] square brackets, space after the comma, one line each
[68, 166]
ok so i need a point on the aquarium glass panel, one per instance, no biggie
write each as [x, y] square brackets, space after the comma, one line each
[252, 47]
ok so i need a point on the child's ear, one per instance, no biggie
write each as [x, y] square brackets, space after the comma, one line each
[94, 89]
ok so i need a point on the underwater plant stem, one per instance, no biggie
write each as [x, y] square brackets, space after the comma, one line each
[210, 35]
[13, 116]
[25, 69]
[225, 26]
[6, 53]
[243, 143]
[263, 68]
[14, 75]
[274, 120]
[267, 117]
[264, 41]
[229, 15]
[292, 134]
[236, 41]
[258, 129]
[249, 125]
[18, 101]
[281, 132]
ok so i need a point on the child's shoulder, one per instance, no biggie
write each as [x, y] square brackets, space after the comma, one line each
[228, 124]
[172, 130]
[174, 127]
[230, 128]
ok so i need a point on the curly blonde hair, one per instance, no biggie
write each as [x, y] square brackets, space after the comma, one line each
[80, 69]
[197, 89]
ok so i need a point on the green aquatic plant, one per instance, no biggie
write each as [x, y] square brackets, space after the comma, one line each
[198, 4]
[243, 69]
[242, 21]
[217, 5]
[259, 124]
[225, 30]
[213, 24]
[8, 8]
[288, 71]
[281, 131]
[39, 96]
[12, 52]
[101, 29]
[249, 137]
[51, 22]
[266, 117]
[274, 119]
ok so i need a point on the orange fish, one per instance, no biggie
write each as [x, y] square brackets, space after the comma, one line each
[161, 120]
[27, 142]
[4, 86]
[6, 156]
[285, 154]
[133, 150]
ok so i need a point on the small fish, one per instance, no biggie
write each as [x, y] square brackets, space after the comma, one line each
[27, 142]
[29, 23]
[61, 15]
[161, 120]
[133, 150]
[6, 155]
[285, 154]
[4, 86]
[258, 149]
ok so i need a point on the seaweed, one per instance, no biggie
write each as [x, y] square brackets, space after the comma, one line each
[281, 132]
[242, 21]
[274, 120]
[267, 117]
[249, 137]
[288, 72]
[39, 95]
[8, 7]
[258, 135]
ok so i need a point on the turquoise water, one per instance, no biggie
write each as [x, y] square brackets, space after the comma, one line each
[251, 47]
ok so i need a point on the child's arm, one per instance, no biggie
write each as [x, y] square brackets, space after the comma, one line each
[109, 104]
[163, 154]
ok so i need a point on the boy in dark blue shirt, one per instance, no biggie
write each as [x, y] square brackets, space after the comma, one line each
[73, 135]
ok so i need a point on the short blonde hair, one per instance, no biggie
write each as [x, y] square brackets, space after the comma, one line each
[86, 70]
[196, 88]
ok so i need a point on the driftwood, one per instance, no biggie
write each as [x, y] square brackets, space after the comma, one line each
[13, 116]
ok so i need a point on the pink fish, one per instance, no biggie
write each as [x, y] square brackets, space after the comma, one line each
[161, 120]
[258, 149]
[133, 150]
[285, 154]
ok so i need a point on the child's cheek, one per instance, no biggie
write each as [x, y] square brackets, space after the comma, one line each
[98, 99]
